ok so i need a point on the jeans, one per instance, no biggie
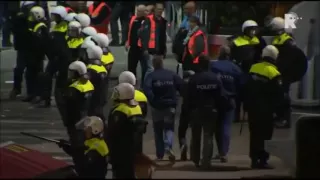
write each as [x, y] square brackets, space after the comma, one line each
[146, 67]
[163, 126]
[223, 131]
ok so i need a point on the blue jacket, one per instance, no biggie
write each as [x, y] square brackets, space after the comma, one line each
[161, 88]
[231, 76]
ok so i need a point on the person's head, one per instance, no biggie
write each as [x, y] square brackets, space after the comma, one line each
[102, 40]
[83, 50]
[74, 29]
[270, 54]
[88, 31]
[141, 10]
[70, 17]
[124, 93]
[77, 70]
[26, 6]
[58, 14]
[189, 8]
[277, 25]
[158, 10]
[94, 53]
[250, 28]
[204, 62]
[83, 19]
[224, 53]
[36, 14]
[193, 21]
[92, 126]
[127, 77]
[149, 9]
[157, 62]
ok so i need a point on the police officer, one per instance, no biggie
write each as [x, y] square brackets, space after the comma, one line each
[70, 17]
[107, 57]
[98, 76]
[92, 155]
[58, 59]
[265, 94]
[161, 87]
[74, 40]
[88, 31]
[292, 62]
[246, 50]
[83, 19]
[208, 90]
[184, 120]
[139, 96]
[231, 77]
[38, 48]
[124, 123]
[77, 99]
[21, 40]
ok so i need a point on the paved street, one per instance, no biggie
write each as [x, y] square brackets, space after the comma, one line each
[17, 117]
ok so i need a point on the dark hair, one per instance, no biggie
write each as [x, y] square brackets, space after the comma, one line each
[194, 19]
[204, 61]
[157, 3]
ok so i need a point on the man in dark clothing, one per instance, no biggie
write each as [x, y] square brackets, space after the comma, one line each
[100, 21]
[135, 53]
[231, 77]
[161, 87]
[153, 38]
[22, 38]
[205, 95]
[122, 10]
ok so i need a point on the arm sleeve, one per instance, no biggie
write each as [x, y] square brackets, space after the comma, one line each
[145, 34]
[147, 88]
[199, 46]
[104, 13]
[179, 83]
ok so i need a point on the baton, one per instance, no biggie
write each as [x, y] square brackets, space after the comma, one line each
[42, 138]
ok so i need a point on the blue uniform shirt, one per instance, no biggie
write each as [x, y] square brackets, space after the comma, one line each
[161, 88]
[230, 75]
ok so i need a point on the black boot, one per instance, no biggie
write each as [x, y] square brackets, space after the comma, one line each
[14, 93]
[184, 152]
[28, 98]
[263, 164]
[254, 164]
[44, 104]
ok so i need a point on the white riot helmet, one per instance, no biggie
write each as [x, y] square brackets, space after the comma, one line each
[89, 31]
[70, 17]
[127, 77]
[94, 53]
[37, 13]
[277, 23]
[102, 40]
[89, 38]
[95, 123]
[74, 29]
[83, 19]
[60, 10]
[87, 43]
[270, 52]
[77, 66]
[124, 91]
[249, 23]
[27, 3]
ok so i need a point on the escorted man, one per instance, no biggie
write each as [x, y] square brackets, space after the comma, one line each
[161, 87]
[149, 9]
[38, 48]
[99, 13]
[264, 97]
[77, 98]
[246, 50]
[195, 45]
[292, 62]
[135, 53]
[98, 76]
[21, 42]
[205, 96]
[91, 156]
[124, 122]
[231, 77]
[153, 39]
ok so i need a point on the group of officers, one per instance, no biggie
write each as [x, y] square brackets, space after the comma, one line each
[81, 61]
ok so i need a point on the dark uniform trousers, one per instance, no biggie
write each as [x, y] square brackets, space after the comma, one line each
[34, 67]
[203, 120]
[19, 70]
[134, 56]
[183, 125]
